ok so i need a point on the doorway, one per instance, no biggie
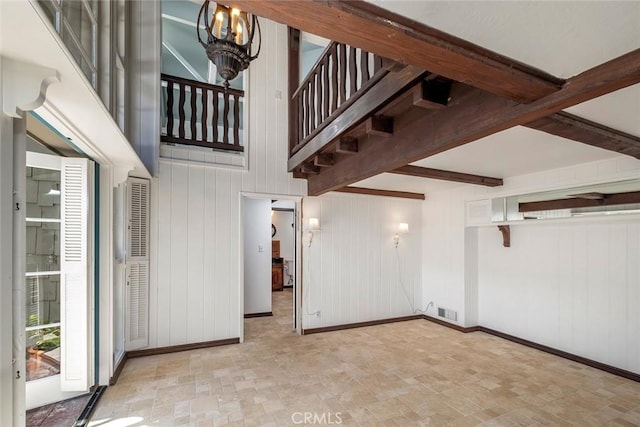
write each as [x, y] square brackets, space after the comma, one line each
[271, 253]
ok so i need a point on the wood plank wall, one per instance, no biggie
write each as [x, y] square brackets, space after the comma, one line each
[196, 214]
[573, 287]
[351, 269]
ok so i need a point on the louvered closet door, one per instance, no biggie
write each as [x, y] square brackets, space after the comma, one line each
[138, 219]
[137, 265]
[75, 273]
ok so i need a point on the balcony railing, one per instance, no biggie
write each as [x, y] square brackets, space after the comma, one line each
[340, 76]
[201, 114]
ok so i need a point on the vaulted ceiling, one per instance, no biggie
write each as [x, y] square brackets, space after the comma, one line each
[560, 39]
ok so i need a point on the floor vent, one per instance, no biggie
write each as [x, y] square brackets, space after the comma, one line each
[448, 314]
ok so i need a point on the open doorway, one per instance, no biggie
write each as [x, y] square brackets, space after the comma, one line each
[283, 255]
[270, 253]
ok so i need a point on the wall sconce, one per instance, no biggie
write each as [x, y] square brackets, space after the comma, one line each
[314, 225]
[403, 228]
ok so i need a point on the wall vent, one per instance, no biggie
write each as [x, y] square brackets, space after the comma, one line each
[448, 314]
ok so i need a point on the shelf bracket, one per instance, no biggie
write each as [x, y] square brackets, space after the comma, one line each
[506, 235]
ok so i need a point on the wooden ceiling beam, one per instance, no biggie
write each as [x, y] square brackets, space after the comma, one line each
[607, 200]
[384, 193]
[582, 130]
[465, 178]
[377, 30]
[482, 114]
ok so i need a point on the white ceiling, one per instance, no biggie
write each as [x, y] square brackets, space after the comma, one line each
[562, 38]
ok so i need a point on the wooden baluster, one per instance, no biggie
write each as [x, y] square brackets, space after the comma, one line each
[181, 102]
[214, 120]
[334, 78]
[300, 104]
[319, 93]
[325, 98]
[236, 119]
[169, 108]
[307, 109]
[318, 78]
[194, 130]
[312, 103]
[364, 66]
[353, 71]
[203, 118]
[343, 73]
[225, 118]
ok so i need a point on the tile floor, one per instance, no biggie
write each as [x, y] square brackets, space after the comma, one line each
[400, 374]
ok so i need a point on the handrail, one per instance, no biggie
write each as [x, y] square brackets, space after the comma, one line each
[208, 115]
[201, 85]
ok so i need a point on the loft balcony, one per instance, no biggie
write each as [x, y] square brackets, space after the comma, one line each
[201, 114]
[346, 95]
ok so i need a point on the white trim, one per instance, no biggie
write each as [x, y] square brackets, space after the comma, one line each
[52, 220]
[106, 272]
[298, 264]
[43, 161]
[42, 273]
[19, 270]
[48, 325]
[25, 86]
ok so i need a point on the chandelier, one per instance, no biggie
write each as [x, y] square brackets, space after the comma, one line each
[230, 34]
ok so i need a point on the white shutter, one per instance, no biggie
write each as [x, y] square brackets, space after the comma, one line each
[76, 277]
[137, 324]
[138, 219]
[137, 265]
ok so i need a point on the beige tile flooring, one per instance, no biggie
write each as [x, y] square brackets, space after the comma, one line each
[401, 374]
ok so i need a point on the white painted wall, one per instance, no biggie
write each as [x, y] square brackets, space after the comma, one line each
[285, 233]
[351, 271]
[6, 261]
[443, 261]
[257, 255]
[572, 286]
[195, 214]
[143, 75]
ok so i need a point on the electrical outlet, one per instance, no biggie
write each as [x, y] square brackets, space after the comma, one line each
[260, 248]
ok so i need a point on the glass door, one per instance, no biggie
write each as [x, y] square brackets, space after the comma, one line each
[43, 281]
[43, 273]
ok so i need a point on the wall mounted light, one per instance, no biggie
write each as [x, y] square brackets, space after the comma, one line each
[403, 228]
[314, 225]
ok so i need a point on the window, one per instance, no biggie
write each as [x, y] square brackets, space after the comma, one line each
[75, 21]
